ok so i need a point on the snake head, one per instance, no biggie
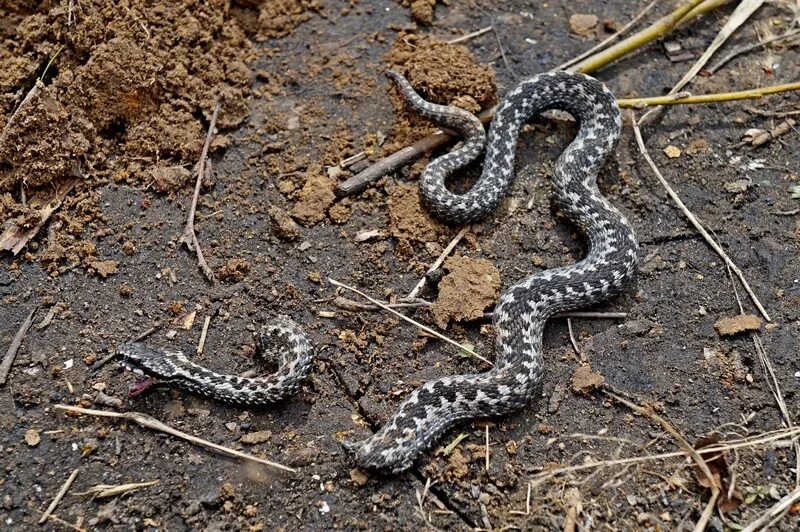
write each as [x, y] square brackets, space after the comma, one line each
[148, 361]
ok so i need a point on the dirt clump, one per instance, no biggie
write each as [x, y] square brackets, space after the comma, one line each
[737, 325]
[584, 380]
[314, 199]
[470, 286]
[409, 221]
[234, 271]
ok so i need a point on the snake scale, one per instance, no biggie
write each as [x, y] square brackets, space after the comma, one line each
[519, 316]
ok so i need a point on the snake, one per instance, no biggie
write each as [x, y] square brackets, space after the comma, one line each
[274, 340]
[521, 312]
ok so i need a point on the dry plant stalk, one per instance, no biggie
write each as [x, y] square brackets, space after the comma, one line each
[152, 423]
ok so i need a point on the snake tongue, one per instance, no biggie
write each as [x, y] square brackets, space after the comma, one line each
[141, 386]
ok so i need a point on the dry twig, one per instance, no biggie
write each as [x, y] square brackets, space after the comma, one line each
[152, 423]
[102, 491]
[744, 49]
[59, 496]
[11, 353]
[189, 237]
[470, 36]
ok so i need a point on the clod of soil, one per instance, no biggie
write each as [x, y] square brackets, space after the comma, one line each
[584, 380]
[314, 198]
[409, 221]
[466, 291]
[282, 224]
[737, 324]
[234, 270]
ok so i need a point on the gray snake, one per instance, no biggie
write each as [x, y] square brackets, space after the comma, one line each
[274, 340]
[521, 312]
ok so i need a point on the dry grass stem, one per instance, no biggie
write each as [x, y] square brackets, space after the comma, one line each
[688, 99]
[409, 320]
[59, 496]
[772, 515]
[104, 490]
[11, 353]
[694, 221]
[470, 36]
[203, 333]
[744, 49]
[151, 423]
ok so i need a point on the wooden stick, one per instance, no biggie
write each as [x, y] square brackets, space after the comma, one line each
[152, 423]
[8, 359]
[694, 221]
[472, 35]
[59, 496]
[189, 236]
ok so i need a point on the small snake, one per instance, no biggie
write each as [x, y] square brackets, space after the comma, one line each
[275, 339]
[522, 310]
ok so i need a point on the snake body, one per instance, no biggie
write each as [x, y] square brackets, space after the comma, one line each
[521, 312]
[275, 339]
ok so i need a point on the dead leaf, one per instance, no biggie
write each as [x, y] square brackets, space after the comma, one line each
[717, 463]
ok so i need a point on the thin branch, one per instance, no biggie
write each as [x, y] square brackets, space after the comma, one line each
[189, 236]
[688, 99]
[694, 221]
[8, 359]
[409, 320]
[744, 49]
[152, 423]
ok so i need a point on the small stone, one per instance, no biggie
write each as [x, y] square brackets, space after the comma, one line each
[254, 438]
[32, 437]
[359, 477]
[672, 152]
[583, 24]
[282, 224]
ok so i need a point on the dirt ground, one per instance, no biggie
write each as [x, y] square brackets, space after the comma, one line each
[128, 91]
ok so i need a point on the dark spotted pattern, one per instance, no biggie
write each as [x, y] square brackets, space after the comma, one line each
[521, 313]
[175, 369]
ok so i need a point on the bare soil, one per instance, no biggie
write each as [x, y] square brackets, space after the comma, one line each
[117, 127]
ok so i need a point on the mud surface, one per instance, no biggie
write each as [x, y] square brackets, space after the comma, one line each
[117, 127]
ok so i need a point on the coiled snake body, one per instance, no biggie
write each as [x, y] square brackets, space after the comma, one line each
[521, 313]
[175, 369]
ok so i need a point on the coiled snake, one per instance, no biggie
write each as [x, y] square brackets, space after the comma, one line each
[520, 315]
